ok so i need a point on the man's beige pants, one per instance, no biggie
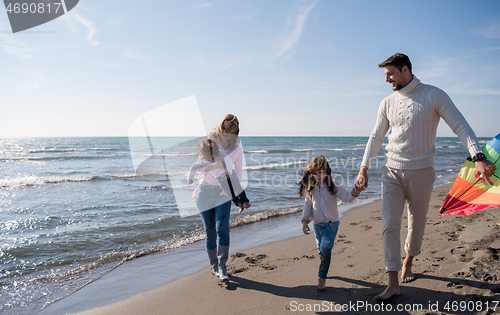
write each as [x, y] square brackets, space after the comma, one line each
[400, 187]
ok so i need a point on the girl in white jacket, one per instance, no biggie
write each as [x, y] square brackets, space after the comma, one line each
[321, 207]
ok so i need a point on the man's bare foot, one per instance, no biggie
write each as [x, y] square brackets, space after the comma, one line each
[246, 205]
[406, 274]
[392, 288]
[388, 293]
[321, 285]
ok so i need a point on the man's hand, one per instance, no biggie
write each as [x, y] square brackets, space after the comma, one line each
[362, 180]
[486, 169]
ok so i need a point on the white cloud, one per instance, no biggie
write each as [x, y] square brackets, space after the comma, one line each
[489, 31]
[467, 90]
[129, 54]
[288, 42]
[201, 6]
[435, 68]
[489, 49]
[11, 44]
[112, 65]
[34, 81]
[92, 30]
[115, 21]
[453, 75]
[249, 13]
[198, 59]
[14, 46]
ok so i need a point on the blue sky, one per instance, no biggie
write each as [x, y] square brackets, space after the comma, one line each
[283, 67]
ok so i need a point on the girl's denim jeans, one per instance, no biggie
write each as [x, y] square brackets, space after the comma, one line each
[214, 209]
[325, 234]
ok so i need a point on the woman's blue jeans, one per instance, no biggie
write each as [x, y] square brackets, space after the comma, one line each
[325, 234]
[214, 209]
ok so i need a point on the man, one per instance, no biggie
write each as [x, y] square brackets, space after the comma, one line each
[412, 112]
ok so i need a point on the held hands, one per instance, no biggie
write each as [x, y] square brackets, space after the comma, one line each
[305, 227]
[362, 180]
[357, 189]
[190, 181]
[484, 170]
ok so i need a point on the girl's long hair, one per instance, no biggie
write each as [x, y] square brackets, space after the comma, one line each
[308, 181]
[233, 130]
[208, 149]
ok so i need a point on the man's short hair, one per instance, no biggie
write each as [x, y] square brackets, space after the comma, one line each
[397, 60]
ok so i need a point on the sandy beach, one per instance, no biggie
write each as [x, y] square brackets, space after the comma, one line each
[457, 273]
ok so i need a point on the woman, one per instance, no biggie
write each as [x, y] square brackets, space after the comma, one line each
[214, 206]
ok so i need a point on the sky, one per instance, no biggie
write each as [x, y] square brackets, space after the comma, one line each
[284, 67]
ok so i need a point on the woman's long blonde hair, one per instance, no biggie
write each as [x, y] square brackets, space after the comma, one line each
[233, 130]
[308, 181]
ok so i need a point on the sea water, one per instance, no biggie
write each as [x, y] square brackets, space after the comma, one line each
[73, 209]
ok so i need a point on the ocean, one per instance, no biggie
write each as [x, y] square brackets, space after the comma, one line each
[73, 209]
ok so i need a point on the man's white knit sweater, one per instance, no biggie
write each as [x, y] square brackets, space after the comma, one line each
[413, 114]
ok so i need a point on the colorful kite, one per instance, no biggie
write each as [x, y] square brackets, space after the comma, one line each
[470, 194]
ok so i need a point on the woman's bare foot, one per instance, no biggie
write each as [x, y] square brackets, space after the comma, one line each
[321, 285]
[406, 274]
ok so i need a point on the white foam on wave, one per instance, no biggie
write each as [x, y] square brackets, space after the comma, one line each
[51, 150]
[33, 180]
[256, 217]
[257, 152]
[275, 165]
[347, 149]
[170, 154]
[146, 175]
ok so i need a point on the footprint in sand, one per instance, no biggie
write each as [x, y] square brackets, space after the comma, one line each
[458, 250]
[238, 255]
[268, 267]
[439, 258]
[255, 259]
[494, 253]
[305, 256]
[452, 236]
[432, 268]
[232, 271]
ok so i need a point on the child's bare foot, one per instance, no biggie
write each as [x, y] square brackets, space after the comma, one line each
[246, 205]
[321, 285]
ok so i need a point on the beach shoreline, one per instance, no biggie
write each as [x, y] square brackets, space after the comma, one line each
[458, 267]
